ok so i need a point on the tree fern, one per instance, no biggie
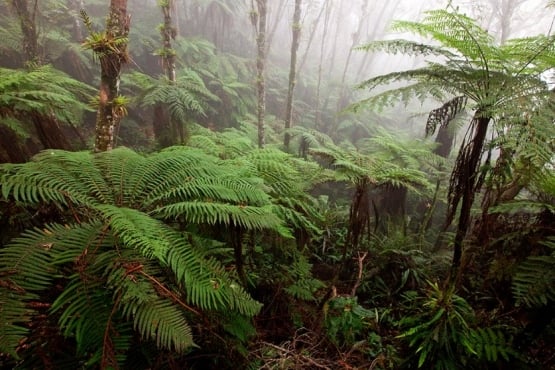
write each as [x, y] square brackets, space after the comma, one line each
[42, 90]
[187, 97]
[115, 250]
[495, 78]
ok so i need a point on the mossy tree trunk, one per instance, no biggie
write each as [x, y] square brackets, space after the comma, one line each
[112, 53]
[296, 36]
[28, 29]
[46, 126]
[163, 125]
[259, 22]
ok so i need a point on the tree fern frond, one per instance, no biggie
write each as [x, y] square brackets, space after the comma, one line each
[248, 217]
[53, 175]
[117, 199]
[232, 190]
[25, 270]
[42, 90]
[136, 230]
[153, 316]
[453, 30]
[388, 98]
[207, 283]
[405, 47]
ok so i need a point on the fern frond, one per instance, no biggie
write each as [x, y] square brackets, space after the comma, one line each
[248, 217]
[42, 90]
[453, 30]
[405, 47]
[534, 281]
[207, 283]
[153, 316]
[152, 271]
[488, 344]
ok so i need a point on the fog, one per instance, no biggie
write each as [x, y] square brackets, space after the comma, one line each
[329, 64]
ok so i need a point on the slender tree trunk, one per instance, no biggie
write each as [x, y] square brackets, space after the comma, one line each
[359, 218]
[331, 59]
[75, 6]
[46, 126]
[318, 114]
[272, 30]
[380, 24]
[112, 57]
[312, 33]
[168, 34]
[356, 39]
[296, 33]
[163, 125]
[28, 29]
[260, 26]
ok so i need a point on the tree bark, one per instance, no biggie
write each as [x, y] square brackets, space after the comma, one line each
[260, 26]
[112, 55]
[28, 29]
[162, 123]
[46, 126]
[296, 35]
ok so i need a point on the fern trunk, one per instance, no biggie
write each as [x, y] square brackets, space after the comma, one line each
[463, 186]
[236, 234]
[112, 52]
[359, 217]
[296, 33]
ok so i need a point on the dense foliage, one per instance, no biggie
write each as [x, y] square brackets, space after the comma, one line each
[188, 246]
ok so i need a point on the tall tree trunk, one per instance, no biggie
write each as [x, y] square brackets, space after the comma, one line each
[296, 33]
[382, 19]
[318, 113]
[312, 33]
[168, 34]
[259, 22]
[46, 126]
[162, 123]
[112, 56]
[356, 39]
[28, 29]
[75, 6]
[276, 20]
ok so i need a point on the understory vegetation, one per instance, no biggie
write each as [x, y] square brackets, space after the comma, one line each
[194, 244]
